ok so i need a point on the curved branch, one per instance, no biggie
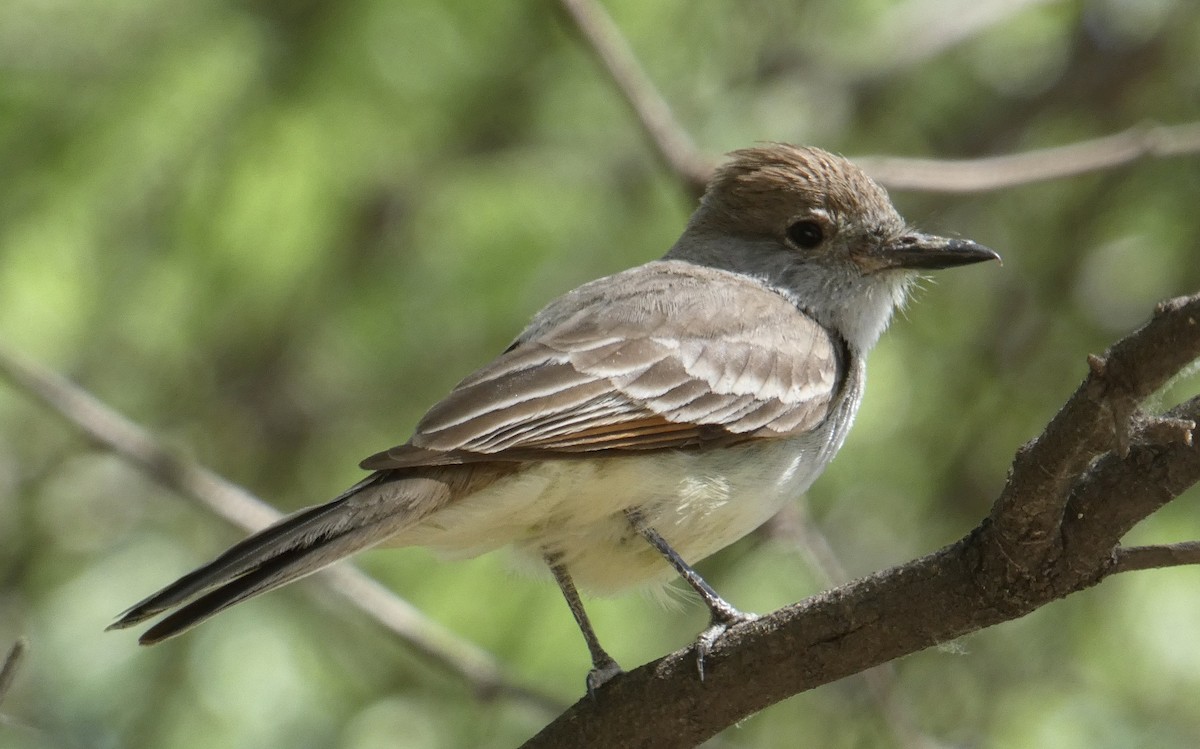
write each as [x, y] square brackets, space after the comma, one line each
[673, 144]
[959, 589]
[1096, 418]
[12, 663]
[998, 172]
[239, 507]
[677, 151]
[1119, 491]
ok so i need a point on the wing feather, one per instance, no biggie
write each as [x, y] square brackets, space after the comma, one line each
[663, 356]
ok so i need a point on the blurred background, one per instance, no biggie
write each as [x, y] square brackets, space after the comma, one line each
[274, 232]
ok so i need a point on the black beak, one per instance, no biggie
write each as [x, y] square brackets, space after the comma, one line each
[927, 252]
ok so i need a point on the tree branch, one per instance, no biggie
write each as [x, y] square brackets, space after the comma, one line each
[959, 589]
[1132, 558]
[1027, 516]
[236, 505]
[997, 172]
[12, 663]
[674, 146]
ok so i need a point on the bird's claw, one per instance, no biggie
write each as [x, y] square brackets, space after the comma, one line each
[714, 631]
[600, 674]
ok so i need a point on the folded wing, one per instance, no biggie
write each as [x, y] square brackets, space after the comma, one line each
[664, 356]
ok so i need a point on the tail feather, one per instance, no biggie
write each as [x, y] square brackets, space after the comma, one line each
[285, 567]
[297, 545]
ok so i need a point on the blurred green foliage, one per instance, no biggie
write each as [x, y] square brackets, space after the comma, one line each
[276, 231]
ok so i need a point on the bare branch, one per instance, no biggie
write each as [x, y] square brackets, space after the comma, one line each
[1119, 491]
[677, 151]
[1028, 513]
[679, 154]
[1132, 558]
[114, 432]
[674, 145]
[12, 663]
[997, 172]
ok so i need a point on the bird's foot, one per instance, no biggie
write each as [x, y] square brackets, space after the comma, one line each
[721, 622]
[600, 674]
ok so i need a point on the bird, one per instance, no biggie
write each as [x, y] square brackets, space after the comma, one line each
[640, 422]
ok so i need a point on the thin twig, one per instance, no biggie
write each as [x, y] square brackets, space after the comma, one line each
[794, 525]
[1132, 558]
[997, 172]
[605, 41]
[236, 505]
[12, 662]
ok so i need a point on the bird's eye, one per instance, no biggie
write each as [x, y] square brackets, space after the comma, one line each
[805, 234]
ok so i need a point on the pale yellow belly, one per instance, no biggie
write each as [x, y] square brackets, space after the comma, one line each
[698, 501]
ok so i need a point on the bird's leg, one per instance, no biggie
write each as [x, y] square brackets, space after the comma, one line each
[603, 665]
[722, 614]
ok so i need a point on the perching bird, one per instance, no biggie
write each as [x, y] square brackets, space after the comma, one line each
[642, 421]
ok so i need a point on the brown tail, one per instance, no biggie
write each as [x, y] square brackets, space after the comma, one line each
[297, 545]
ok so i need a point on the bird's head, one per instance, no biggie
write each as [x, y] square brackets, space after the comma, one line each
[816, 227]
